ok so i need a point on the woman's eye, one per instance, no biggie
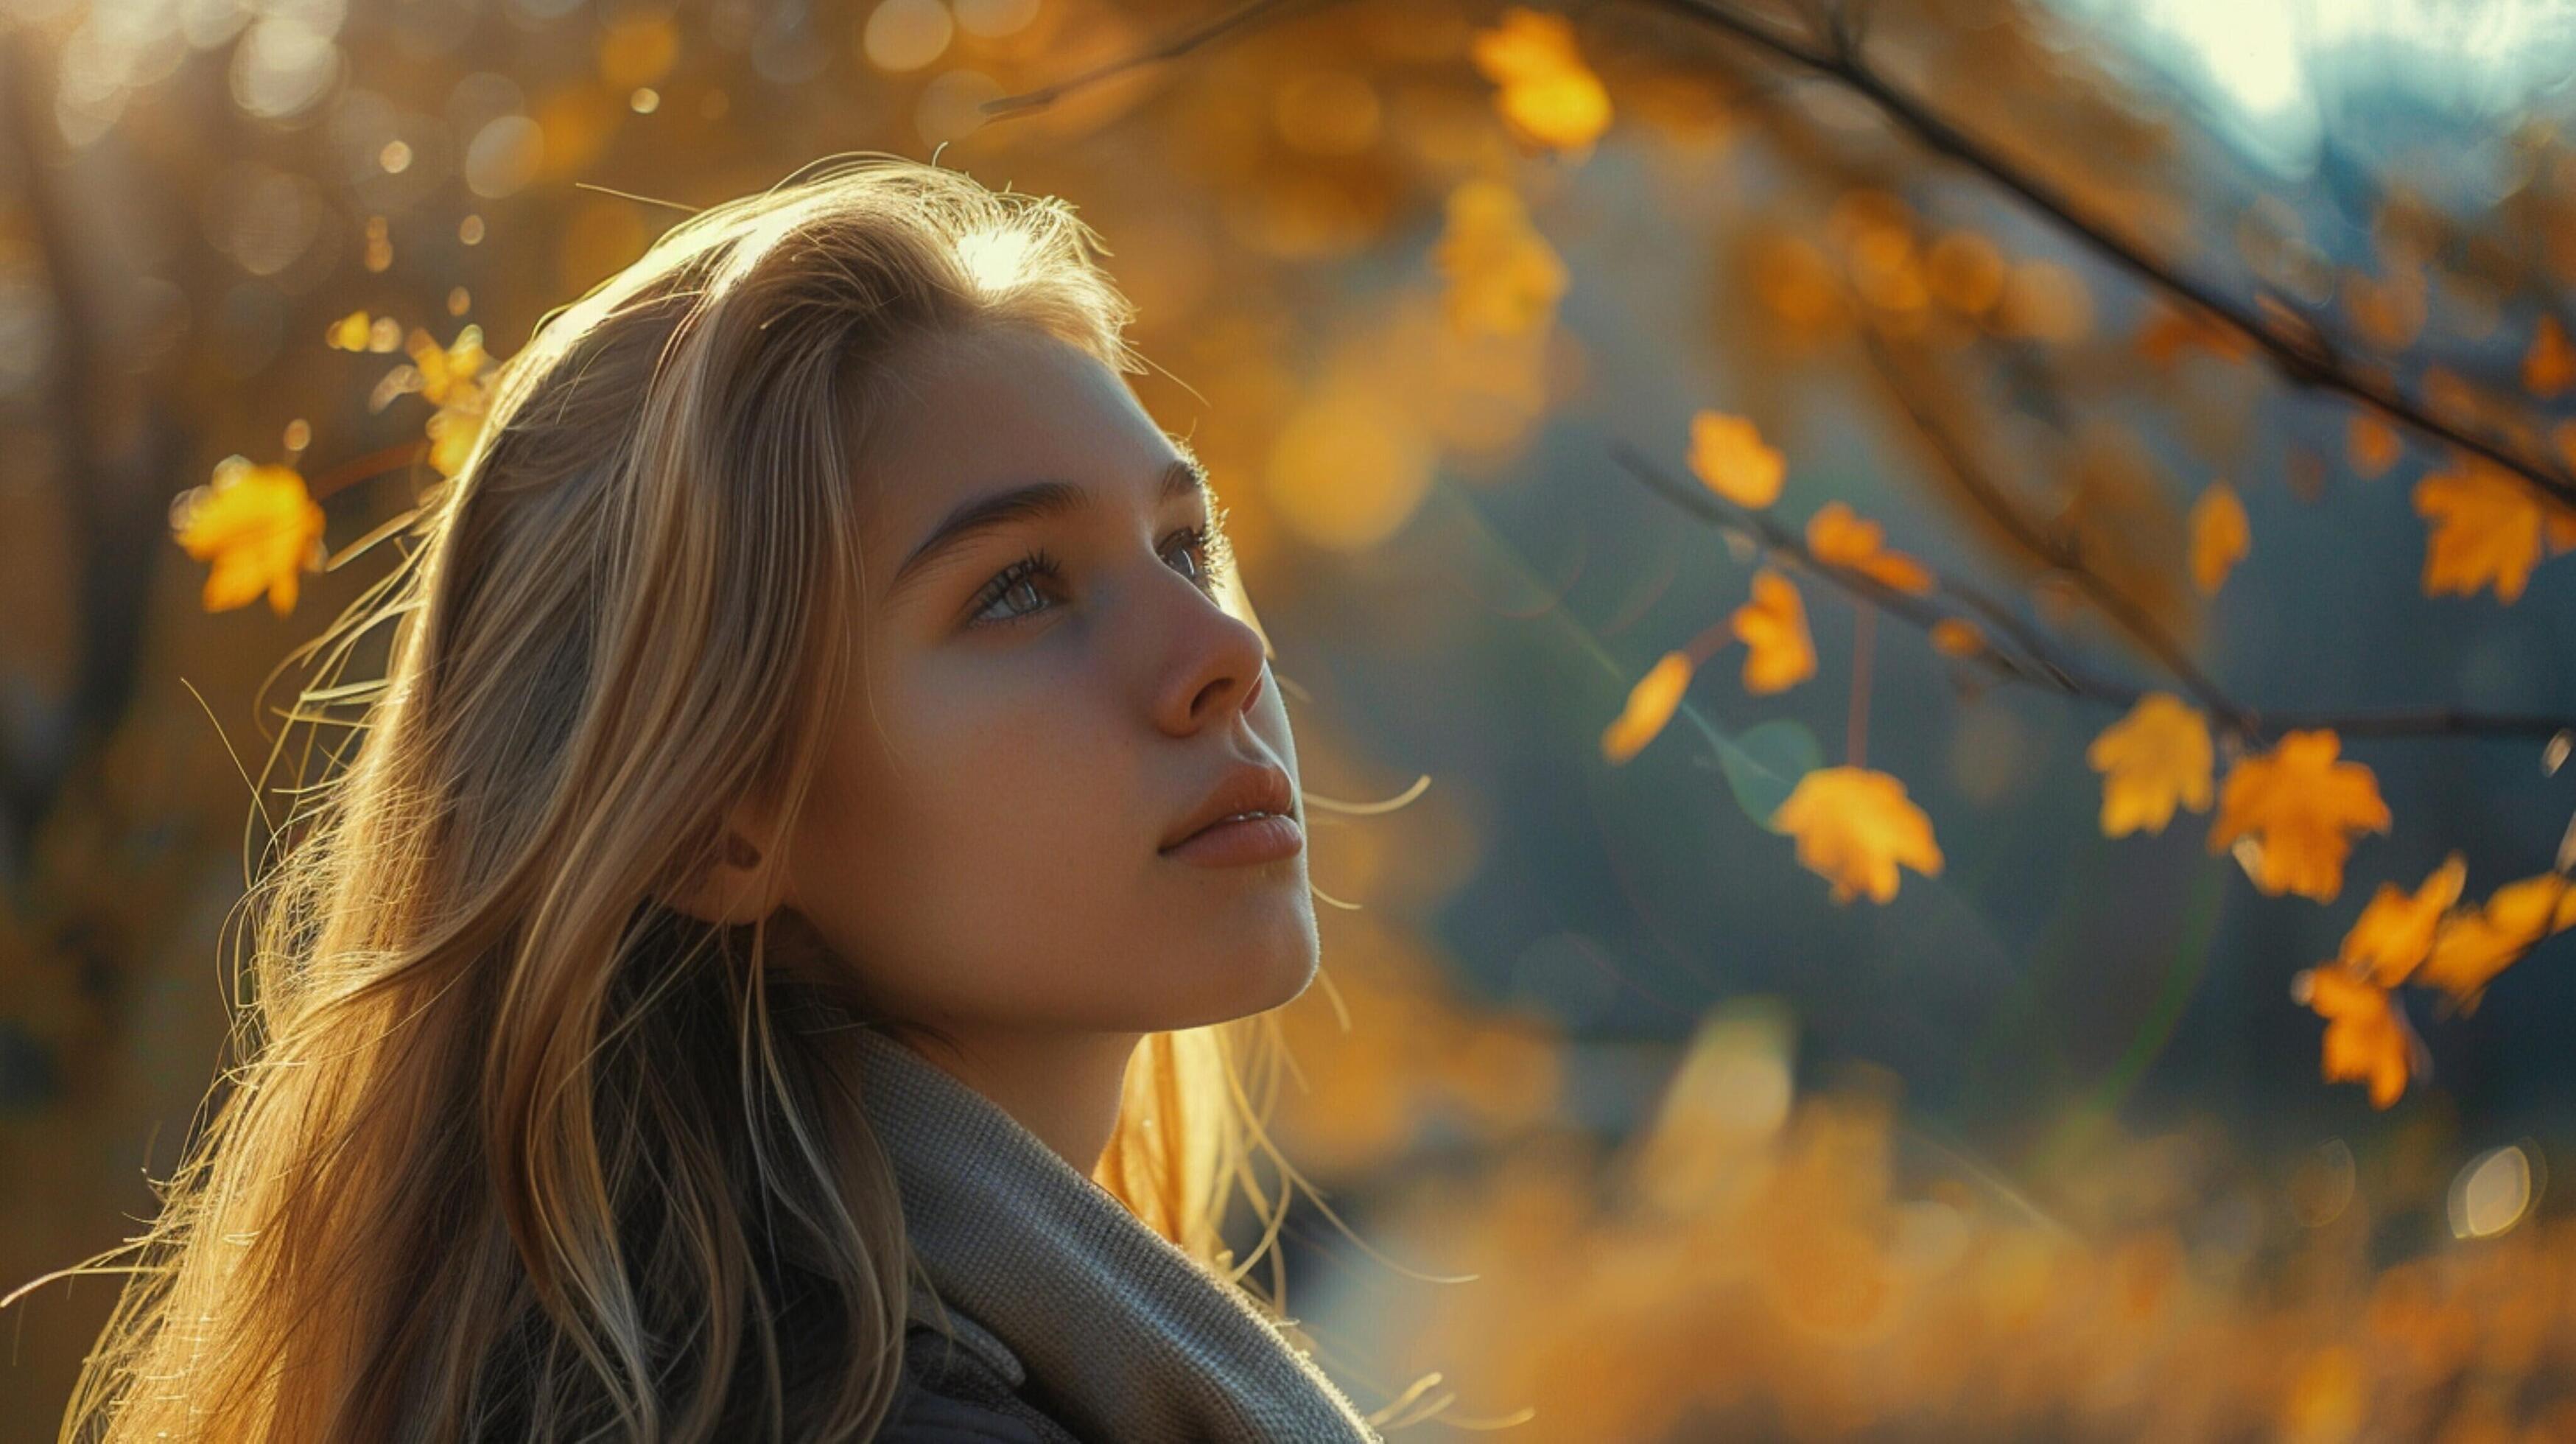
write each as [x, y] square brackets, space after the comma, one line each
[1210, 554]
[1210, 546]
[1008, 583]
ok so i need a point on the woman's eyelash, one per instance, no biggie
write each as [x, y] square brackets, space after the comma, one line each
[1210, 540]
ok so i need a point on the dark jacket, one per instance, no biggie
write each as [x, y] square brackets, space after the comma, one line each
[963, 1395]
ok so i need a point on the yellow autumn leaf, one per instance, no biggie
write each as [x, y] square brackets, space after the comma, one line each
[1778, 652]
[2551, 362]
[1650, 706]
[2154, 759]
[2366, 1040]
[447, 373]
[1503, 276]
[1839, 537]
[2374, 444]
[1854, 826]
[2473, 945]
[2395, 931]
[349, 333]
[260, 528]
[2220, 535]
[452, 434]
[2300, 806]
[2487, 529]
[1728, 453]
[449, 378]
[1548, 94]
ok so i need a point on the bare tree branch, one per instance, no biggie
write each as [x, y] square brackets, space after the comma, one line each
[2035, 660]
[2297, 347]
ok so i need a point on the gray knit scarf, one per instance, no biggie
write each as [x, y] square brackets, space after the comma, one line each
[1128, 1337]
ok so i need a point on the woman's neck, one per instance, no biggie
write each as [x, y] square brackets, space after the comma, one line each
[1065, 1087]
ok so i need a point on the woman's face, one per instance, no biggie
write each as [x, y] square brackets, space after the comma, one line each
[984, 841]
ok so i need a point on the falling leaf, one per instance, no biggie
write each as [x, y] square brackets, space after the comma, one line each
[2220, 536]
[1778, 653]
[260, 528]
[1727, 452]
[1853, 827]
[1548, 94]
[2367, 1039]
[2300, 806]
[1504, 278]
[1952, 637]
[2472, 946]
[1840, 538]
[2551, 362]
[2156, 758]
[2487, 528]
[2374, 444]
[2395, 932]
[1650, 706]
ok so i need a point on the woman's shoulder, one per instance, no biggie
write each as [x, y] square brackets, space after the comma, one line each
[959, 1393]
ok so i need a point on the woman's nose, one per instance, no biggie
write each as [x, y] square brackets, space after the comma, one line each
[1216, 668]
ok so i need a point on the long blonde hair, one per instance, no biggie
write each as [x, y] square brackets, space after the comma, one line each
[511, 1148]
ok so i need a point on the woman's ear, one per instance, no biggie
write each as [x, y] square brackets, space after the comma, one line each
[738, 883]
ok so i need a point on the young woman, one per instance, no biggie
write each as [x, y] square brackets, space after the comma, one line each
[781, 955]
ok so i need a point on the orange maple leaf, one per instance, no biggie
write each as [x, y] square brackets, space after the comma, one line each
[2220, 535]
[2299, 806]
[2395, 931]
[1778, 652]
[1504, 278]
[2487, 529]
[1728, 453]
[1548, 94]
[1650, 706]
[2472, 946]
[2154, 759]
[259, 526]
[1853, 827]
[1838, 537]
[2367, 1037]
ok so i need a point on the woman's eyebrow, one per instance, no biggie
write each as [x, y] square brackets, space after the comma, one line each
[1033, 502]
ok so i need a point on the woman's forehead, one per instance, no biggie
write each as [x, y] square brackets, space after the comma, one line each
[993, 430]
[985, 410]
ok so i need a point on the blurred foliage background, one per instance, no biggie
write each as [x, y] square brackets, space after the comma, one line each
[1941, 623]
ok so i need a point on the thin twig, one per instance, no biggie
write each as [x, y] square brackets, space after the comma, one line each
[2060, 550]
[1172, 49]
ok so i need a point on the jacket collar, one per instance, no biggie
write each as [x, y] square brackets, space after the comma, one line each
[931, 1312]
[1123, 1334]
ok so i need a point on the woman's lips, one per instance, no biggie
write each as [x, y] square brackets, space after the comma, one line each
[1267, 838]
